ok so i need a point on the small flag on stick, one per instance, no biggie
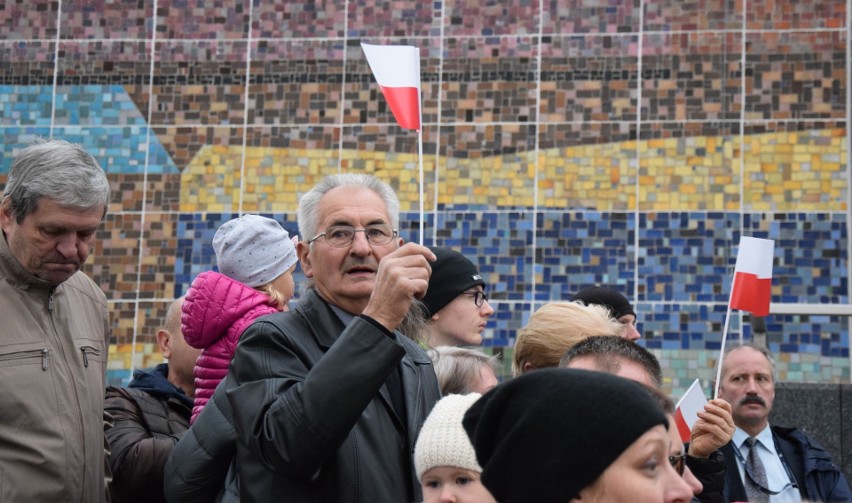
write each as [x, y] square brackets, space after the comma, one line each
[687, 409]
[397, 71]
[752, 286]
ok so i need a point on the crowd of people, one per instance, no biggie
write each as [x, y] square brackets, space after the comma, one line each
[369, 388]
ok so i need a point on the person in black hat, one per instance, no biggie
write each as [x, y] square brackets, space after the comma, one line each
[618, 305]
[560, 435]
[456, 305]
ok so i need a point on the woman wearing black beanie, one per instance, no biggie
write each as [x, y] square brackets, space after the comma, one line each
[556, 435]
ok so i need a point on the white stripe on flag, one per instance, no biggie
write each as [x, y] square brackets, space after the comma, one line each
[394, 65]
[755, 256]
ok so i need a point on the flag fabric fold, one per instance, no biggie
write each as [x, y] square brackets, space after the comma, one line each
[397, 71]
[687, 409]
[753, 276]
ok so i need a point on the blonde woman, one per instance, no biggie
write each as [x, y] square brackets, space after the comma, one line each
[555, 328]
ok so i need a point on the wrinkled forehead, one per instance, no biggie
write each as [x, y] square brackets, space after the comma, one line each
[352, 206]
[746, 360]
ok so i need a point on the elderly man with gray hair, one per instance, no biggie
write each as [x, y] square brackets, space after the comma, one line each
[55, 335]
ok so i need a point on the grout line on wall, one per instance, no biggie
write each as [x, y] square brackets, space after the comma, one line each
[637, 161]
[247, 96]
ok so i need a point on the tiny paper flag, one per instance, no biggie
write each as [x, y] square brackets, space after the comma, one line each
[397, 71]
[753, 276]
[687, 409]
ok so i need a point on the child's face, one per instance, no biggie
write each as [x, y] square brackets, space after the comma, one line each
[285, 285]
[449, 483]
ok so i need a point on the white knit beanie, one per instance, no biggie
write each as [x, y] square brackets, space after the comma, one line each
[253, 250]
[442, 440]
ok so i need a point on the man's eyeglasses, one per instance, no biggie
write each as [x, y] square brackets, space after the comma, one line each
[479, 297]
[678, 462]
[341, 236]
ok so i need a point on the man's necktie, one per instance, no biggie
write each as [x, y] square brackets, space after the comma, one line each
[755, 474]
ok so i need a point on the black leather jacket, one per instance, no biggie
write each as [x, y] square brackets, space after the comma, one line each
[313, 415]
[197, 470]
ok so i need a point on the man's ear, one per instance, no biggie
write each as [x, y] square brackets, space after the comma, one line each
[528, 366]
[303, 250]
[6, 217]
[164, 340]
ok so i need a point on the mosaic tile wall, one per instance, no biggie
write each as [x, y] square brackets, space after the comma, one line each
[566, 143]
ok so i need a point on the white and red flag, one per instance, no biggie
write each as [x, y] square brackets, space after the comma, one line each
[753, 276]
[687, 409]
[397, 71]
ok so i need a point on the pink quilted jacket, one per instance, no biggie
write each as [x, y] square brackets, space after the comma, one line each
[214, 315]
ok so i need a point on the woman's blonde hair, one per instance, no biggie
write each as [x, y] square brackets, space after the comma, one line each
[554, 328]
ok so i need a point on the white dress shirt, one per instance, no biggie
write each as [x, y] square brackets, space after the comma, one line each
[777, 477]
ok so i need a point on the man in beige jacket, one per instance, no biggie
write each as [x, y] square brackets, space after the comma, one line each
[55, 327]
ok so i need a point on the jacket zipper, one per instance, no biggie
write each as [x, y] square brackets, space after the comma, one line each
[88, 350]
[24, 355]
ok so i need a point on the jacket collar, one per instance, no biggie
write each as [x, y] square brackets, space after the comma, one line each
[15, 273]
[324, 322]
[327, 325]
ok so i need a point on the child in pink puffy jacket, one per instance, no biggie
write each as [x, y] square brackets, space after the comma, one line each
[256, 259]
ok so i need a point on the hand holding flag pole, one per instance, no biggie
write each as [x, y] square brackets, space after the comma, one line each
[397, 71]
[751, 288]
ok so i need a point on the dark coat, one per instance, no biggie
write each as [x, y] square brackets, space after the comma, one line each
[313, 414]
[149, 418]
[817, 477]
[711, 473]
[197, 470]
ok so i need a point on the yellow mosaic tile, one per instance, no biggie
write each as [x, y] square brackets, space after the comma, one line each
[786, 171]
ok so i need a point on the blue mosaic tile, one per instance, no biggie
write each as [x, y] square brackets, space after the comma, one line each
[86, 114]
[95, 105]
[685, 326]
[13, 139]
[686, 257]
[803, 334]
[499, 243]
[508, 318]
[811, 255]
[578, 250]
[25, 105]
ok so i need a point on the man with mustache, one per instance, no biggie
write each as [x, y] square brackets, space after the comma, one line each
[329, 397]
[55, 327]
[790, 466]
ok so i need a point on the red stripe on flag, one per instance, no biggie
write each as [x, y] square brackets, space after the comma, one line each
[404, 102]
[751, 293]
[682, 427]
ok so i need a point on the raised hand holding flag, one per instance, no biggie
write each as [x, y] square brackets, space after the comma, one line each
[397, 71]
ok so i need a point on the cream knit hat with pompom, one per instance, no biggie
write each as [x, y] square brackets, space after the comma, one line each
[442, 440]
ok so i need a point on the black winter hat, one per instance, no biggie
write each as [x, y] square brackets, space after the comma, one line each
[617, 304]
[452, 274]
[546, 435]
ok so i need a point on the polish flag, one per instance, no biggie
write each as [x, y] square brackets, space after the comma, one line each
[753, 276]
[687, 409]
[397, 71]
